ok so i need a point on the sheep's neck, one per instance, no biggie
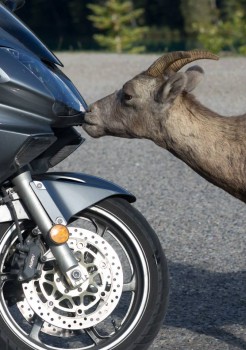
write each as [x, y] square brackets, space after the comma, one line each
[212, 145]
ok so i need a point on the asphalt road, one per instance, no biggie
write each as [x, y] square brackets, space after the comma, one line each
[201, 228]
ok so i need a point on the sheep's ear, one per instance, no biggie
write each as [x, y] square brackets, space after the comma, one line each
[194, 75]
[172, 88]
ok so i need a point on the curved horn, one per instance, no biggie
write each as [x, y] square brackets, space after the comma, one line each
[174, 61]
[162, 63]
[194, 55]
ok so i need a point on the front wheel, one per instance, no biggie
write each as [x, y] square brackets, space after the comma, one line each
[121, 304]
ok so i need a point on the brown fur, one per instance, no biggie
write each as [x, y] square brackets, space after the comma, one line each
[161, 109]
[212, 145]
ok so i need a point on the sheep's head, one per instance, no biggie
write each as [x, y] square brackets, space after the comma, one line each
[140, 108]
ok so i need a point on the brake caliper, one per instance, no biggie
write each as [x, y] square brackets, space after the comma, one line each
[27, 259]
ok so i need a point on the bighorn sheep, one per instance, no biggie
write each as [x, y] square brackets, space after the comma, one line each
[157, 105]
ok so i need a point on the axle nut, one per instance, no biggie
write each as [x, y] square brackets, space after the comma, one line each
[76, 274]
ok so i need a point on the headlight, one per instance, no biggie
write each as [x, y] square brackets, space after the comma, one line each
[67, 99]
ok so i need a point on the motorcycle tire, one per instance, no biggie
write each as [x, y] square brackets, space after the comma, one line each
[121, 304]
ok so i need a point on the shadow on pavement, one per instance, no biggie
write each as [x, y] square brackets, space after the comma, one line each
[205, 302]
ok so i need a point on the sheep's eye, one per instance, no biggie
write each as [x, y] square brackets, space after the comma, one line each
[127, 97]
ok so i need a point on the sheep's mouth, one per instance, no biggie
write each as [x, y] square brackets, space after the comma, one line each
[88, 121]
[91, 126]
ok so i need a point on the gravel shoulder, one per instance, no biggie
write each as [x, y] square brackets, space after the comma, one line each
[201, 228]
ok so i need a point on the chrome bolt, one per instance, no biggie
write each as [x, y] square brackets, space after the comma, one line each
[80, 245]
[60, 220]
[103, 265]
[35, 231]
[76, 274]
[43, 259]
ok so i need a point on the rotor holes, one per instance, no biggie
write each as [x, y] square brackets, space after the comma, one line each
[101, 264]
[30, 315]
[76, 230]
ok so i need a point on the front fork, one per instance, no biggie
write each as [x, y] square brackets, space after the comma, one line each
[62, 253]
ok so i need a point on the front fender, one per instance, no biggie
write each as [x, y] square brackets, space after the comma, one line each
[74, 192]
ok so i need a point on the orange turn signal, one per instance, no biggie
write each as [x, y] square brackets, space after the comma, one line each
[59, 234]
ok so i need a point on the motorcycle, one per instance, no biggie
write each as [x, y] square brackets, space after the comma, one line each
[80, 267]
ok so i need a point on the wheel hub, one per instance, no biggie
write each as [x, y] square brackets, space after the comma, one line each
[60, 306]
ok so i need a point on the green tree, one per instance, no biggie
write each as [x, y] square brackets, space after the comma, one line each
[227, 35]
[118, 22]
[197, 13]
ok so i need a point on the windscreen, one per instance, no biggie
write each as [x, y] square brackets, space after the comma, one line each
[14, 34]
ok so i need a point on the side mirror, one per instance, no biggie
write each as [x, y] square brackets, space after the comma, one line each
[13, 5]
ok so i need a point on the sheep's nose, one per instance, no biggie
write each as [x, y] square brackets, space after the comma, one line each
[91, 108]
[88, 108]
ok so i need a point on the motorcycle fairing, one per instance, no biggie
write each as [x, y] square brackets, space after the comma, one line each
[69, 194]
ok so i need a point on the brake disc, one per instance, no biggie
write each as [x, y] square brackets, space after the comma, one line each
[61, 307]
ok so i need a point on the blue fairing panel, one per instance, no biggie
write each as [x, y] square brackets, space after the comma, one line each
[74, 192]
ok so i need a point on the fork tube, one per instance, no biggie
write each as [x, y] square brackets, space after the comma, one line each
[62, 253]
